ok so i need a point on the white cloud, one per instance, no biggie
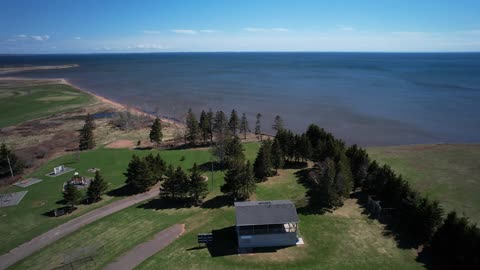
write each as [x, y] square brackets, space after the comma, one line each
[345, 28]
[77, 38]
[208, 31]
[279, 29]
[151, 31]
[146, 46]
[184, 31]
[256, 29]
[22, 36]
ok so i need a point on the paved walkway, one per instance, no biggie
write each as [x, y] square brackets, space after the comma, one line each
[143, 251]
[39, 242]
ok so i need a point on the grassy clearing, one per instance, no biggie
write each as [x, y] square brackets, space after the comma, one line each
[344, 239]
[20, 104]
[448, 173]
[20, 223]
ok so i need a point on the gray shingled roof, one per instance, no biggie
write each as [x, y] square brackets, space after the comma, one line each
[265, 212]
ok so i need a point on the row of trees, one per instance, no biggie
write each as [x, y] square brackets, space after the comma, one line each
[453, 242]
[214, 125]
[143, 173]
[179, 186]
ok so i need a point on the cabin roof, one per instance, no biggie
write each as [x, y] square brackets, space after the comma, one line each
[265, 212]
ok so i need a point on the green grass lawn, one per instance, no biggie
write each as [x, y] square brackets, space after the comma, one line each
[20, 104]
[345, 239]
[20, 223]
[448, 173]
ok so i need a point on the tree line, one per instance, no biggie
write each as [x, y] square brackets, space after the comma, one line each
[453, 242]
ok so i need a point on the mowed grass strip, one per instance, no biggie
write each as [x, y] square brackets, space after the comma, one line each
[20, 104]
[19, 224]
[448, 173]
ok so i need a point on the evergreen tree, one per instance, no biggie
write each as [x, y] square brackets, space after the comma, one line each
[198, 187]
[278, 160]
[210, 120]
[6, 157]
[262, 167]
[156, 165]
[278, 123]
[139, 176]
[71, 195]
[192, 128]
[359, 163]
[258, 126]
[89, 121]
[244, 128]
[233, 151]
[204, 126]
[176, 186]
[86, 137]
[156, 134]
[233, 123]
[220, 126]
[97, 188]
[239, 182]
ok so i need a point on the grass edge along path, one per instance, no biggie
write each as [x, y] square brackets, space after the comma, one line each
[37, 243]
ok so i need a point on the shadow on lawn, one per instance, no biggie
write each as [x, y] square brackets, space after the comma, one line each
[122, 191]
[161, 203]
[217, 202]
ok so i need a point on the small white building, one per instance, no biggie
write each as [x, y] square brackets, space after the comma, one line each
[266, 224]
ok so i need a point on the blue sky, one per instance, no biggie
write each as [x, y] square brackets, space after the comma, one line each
[46, 26]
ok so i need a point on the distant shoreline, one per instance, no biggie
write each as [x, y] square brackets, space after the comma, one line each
[8, 70]
[103, 99]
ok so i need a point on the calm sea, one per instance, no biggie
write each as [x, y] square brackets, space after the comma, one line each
[366, 98]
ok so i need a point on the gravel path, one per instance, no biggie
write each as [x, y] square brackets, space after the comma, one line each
[39, 242]
[143, 251]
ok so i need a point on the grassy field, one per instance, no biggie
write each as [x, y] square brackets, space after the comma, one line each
[20, 223]
[23, 103]
[448, 173]
[344, 239]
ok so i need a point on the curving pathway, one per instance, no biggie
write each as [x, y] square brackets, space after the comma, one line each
[41, 241]
[143, 251]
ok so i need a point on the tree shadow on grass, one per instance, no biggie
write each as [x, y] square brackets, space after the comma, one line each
[207, 166]
[217, 202]
[295, 165]
[161, 203]
[122, 191]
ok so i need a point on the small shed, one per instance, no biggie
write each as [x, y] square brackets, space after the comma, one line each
[266, 223]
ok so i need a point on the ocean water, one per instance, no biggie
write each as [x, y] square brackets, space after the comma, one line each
[365, 98]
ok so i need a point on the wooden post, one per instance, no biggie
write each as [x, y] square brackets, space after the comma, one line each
[9, 165]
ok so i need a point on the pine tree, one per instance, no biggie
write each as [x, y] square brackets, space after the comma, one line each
[244, 128]
[220, 126]
[198, 187]
[71, 195]
[176, 186]
[156, 165]
[204, 126]
[97, 188]
[262, 167]
[89, 121]
[233, 123]
[86, 137]
[6, 157]
[258, 127]
[210, 119]
[139, 176]
[278, 123]
[239, 183]
[156, 134]
[192, 126]
[234, 151]
[359, 163]
[278, 160]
